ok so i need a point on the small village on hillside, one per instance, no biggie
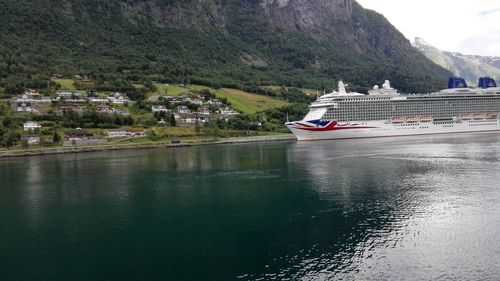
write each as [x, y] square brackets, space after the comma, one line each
[74, 117]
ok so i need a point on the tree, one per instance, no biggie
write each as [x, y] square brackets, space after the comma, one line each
[2, 132]
[211, 129]
[221, 122]
[56, 137]
[216, 131]
[172, 120]
[9, 139]
[7, 121]
[208, 131]
[197, 127]
[24, 143]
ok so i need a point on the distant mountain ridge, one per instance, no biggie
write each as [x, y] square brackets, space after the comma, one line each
[302, 43]
[470, 67]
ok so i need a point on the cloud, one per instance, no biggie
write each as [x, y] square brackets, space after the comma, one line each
[489, 12]
[487, 44]
[471, 27]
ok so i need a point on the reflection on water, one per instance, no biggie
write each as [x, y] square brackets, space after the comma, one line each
[398, 208]
[419, 209]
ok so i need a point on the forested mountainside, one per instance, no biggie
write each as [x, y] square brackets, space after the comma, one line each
[470, 67]
[216, 42]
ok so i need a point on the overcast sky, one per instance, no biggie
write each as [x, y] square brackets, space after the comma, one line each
[469, 27]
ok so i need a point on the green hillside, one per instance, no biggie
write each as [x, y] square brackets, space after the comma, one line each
[230, 43]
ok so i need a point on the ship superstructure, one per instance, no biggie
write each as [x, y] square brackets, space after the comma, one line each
[385, 112]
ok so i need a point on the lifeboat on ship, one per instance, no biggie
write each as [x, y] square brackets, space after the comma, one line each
[467, 116]
[479, 116]
[492, 116]
[412, 119]
[398, 120]
[426, 119]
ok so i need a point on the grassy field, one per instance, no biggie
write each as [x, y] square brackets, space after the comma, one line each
[66, 84]
[244, 102]
[170, 132]
[249, 103]
[310, 92]
[169, 89]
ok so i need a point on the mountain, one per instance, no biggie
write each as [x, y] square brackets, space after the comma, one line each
[469, 67]
[232, 43]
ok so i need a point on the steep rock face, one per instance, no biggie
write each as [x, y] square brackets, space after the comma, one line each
[344, 22]
[292, 15]
[197, 14]
[311, 16]
[469, 67]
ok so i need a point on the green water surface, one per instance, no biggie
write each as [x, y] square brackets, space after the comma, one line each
[382, 209]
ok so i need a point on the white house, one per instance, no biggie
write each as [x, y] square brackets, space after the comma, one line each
[33, 99]
[98, 100]
[31, 126]
[197, 101]
[158, 108]
[185, 118]
[216, 102]
[106, 109]
[203, 111]
[118, 98]
[227, 111]
[183, 109]
[66, 94]
[32, 93]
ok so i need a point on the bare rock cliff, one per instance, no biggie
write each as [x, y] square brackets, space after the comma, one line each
[303, 15]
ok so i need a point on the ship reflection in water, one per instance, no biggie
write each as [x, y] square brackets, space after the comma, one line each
[405, 208]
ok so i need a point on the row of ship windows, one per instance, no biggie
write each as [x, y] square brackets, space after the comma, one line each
[486, 124]
[387, 104]
[426, 127]
[444, 126]
[388, 100]
[446, 107]
[422, 102]
[467, 109]
[454, 111]
[482, 121]
[403, 125]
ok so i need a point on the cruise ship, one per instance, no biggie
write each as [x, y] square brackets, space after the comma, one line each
[386, 113]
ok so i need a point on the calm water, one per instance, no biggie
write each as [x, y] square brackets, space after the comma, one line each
[380, 209]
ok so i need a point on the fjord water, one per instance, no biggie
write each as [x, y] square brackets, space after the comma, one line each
[423, 208]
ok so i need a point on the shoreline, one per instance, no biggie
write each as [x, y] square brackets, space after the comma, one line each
[110, 147]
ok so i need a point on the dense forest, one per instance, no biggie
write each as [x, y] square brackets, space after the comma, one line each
[218, 43]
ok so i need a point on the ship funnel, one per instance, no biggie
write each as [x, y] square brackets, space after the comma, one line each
[456, 82]
[342, 86]
[487, 82]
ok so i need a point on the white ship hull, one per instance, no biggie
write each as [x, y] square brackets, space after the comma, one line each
[372, 129]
